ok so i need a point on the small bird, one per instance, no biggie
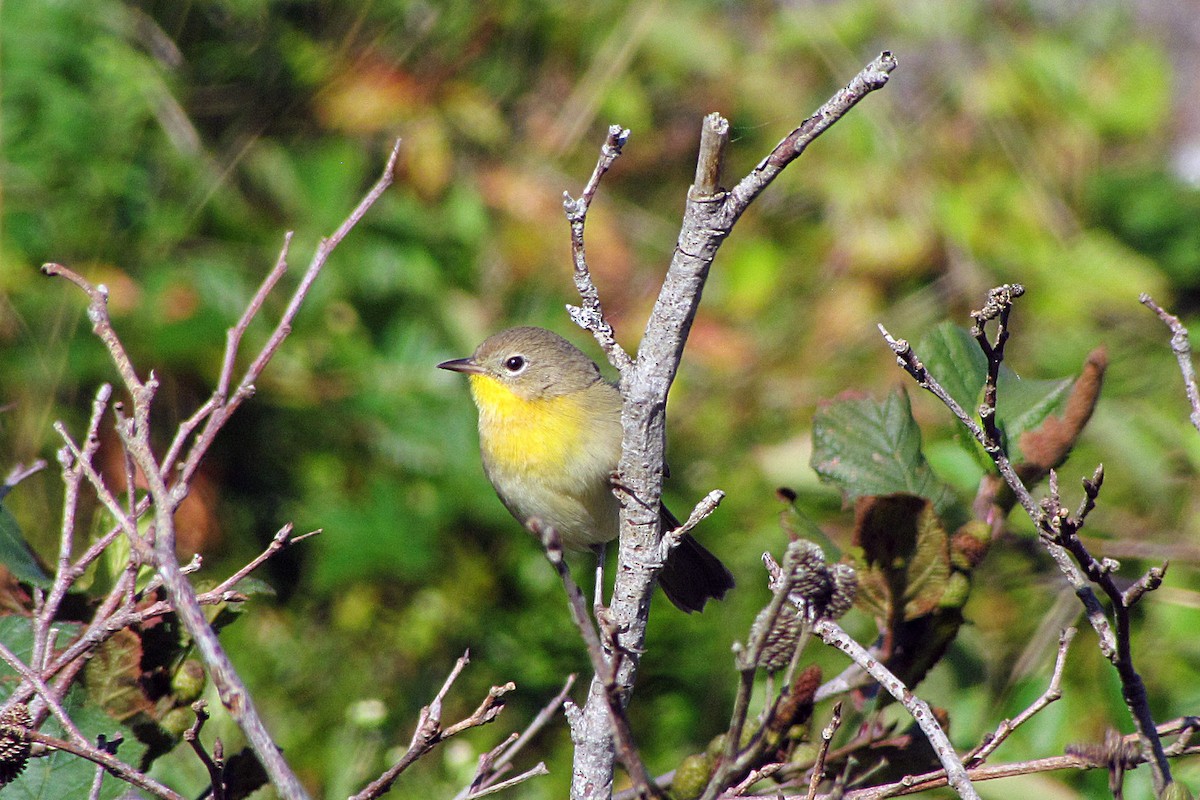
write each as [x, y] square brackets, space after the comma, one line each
[550, 434]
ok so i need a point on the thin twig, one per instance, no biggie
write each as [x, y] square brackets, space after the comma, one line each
[747, 660]
[908, 360]
[1052, 693]
[44, 692]
[72, 475]
[818, 770]
[702, 511]
[533, 772]
[590, 315]
[429, 732]
[216, 777]
[1182, 348]
[504, 758]
[167, 486]
[18, 473]
[110, 762]
[914, 784]
[1057, 527]
[956, 775]
[601, 663]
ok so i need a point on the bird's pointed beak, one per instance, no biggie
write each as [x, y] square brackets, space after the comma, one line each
[464, 365]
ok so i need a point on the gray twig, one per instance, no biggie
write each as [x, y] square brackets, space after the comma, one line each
[1058, 528]
[430, 733]
[1182, 348]
[709, 217]
[602, 663]
[590, 316]
[818, 770]
[956, 775]
[1005, 729]
[168, 482]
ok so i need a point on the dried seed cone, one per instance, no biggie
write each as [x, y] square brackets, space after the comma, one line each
[845, 587]
[14, 744]
[781, 640]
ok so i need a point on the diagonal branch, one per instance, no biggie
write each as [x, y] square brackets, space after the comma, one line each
[1058, 529]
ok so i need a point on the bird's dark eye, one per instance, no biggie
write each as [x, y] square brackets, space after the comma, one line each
[514, 363]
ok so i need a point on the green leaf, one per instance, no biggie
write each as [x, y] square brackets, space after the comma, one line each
[1023, 405]
[868, 447]
[953, 356]
[17, 634]
[61, 774]
[16, 554]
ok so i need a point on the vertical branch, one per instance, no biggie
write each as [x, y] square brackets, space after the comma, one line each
[590, 316]
[709, 216]
[72, 471]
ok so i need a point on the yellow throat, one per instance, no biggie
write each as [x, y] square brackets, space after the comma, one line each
[519, 434]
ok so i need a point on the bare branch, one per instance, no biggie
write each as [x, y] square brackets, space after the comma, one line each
[168, 486]
[1058, 528]
[429, 732]
[602, 663]
[44, 692]
[708, 219]
[1182, 348]
[590, 316]
[501, 758]
[1053, 692]
[818, 770]
[873, 76]
[533, 772]
[107, 760]
[956, 775]
[702, 511]
[20, 472]
[914, 784]
[72, 474]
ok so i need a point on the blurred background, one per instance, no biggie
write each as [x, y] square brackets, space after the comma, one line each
[164, 148]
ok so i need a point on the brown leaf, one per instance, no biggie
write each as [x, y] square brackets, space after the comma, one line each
[1049, 445]
[906, 557]
[114, 674]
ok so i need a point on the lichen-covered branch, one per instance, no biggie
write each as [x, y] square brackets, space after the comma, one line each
[709, 217]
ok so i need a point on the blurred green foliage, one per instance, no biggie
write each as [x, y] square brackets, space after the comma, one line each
[164, 148]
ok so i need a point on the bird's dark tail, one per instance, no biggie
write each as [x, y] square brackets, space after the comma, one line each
[692, 575]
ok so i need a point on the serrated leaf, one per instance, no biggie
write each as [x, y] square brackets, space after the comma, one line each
[16, 554]
[113, 677]
[869, 447]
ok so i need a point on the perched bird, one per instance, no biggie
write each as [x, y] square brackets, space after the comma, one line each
[550, 434]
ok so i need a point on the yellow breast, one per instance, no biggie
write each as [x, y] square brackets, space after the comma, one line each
[543, 434]
[553, 457]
